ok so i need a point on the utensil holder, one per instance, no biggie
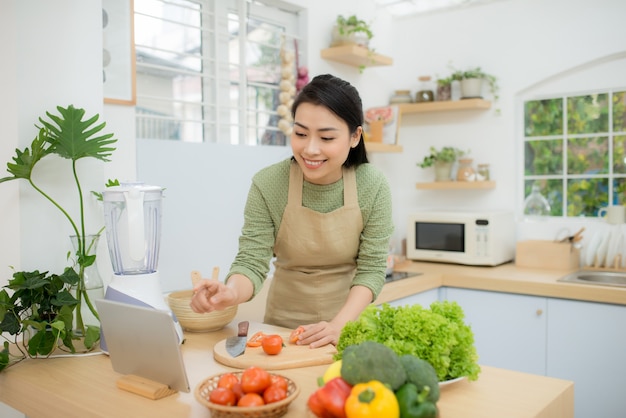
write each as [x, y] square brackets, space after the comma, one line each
[547, 255]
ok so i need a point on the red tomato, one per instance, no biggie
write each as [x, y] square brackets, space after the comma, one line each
[293, 337]
[272, 344]
[238, 391]
[280, 381]
[274, 393]
[227, 381]
[223, 396]
[255, 380]
[251, 399]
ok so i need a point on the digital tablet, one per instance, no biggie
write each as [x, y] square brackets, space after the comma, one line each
[143, 342]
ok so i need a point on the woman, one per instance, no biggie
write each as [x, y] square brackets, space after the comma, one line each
[325, 214]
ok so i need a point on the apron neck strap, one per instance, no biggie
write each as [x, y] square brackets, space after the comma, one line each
[296, 180]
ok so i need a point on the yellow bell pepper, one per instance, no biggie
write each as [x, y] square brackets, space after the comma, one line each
[372, 400]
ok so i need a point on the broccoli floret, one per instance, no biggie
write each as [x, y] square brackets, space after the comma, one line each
[370, 360]
[421, 373]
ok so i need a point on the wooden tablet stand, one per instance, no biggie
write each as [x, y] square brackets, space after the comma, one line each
[144, 387]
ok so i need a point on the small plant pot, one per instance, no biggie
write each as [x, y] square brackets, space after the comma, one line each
[443, 171]
[352, 38]
[471, 88]
[444, 93]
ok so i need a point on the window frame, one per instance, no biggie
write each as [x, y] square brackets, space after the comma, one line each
[217, 64]
[565, 137]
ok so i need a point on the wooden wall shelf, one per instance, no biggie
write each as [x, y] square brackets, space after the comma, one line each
[380, 147]
[457, 185]
[355, 55]
[444, 106]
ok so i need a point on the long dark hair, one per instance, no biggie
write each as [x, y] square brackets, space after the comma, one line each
[341, 98]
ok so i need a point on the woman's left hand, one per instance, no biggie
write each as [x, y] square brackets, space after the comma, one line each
[319, 335]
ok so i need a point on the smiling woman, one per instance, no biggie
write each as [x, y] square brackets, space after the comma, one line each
[325, 214]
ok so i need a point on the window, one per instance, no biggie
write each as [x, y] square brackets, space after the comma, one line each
[210, 70]
[575, 150]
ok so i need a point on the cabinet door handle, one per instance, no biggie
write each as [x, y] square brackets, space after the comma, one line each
[539, 312]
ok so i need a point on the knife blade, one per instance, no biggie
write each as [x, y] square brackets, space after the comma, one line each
[236, 346]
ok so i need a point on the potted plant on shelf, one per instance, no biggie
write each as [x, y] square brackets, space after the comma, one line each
[45, 309]
[351, 30]
[444, 89]
[442, 160]
[472, 81]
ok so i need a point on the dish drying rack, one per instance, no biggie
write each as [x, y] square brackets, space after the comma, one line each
[614, 265]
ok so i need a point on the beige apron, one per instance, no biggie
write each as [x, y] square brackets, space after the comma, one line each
[315, 257]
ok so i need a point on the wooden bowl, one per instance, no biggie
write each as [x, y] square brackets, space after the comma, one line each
[272, 410]
[198, 322]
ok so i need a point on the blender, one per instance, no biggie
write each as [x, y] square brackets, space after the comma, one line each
[132, 217]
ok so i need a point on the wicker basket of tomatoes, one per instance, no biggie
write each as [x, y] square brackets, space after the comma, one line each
[252, 393]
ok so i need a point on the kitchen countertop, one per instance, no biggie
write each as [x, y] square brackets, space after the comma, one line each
[504, 278]
[85, 386]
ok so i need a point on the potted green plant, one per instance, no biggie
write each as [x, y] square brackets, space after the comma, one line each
[45, 309]
[351, 30]
[472, 80]
[444, 89]
[442, 160]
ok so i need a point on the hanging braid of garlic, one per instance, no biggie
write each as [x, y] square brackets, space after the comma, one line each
[287, 90]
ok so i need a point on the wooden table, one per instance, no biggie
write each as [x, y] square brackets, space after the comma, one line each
[85, 387]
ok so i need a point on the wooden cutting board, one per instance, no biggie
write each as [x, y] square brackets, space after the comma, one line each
[291, 356]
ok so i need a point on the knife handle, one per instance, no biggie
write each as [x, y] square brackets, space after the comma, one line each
[242, 329]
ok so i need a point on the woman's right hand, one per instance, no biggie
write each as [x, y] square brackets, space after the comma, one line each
[212, 295]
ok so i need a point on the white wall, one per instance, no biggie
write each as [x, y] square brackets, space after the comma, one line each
[56, 57]
[9, 192]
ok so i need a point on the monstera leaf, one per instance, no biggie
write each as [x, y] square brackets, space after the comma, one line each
[71, 137]
[26, 160]
[67, 136]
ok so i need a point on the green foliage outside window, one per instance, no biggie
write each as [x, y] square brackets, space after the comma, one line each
[571, 160]
[543, 117]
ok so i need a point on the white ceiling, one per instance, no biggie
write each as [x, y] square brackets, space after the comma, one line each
[399, 8]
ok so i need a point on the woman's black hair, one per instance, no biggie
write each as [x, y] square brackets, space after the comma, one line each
[341, 98]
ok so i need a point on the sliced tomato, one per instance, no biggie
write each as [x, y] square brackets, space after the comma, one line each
[293, 337]
[256, 340]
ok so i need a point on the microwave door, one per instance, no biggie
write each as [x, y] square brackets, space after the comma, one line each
[440, 236]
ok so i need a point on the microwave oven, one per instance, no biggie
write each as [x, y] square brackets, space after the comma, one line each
[471, 238]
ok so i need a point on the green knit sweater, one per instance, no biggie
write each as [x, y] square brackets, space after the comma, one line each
[266, 203]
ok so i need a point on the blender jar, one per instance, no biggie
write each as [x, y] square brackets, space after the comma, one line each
[132, 217]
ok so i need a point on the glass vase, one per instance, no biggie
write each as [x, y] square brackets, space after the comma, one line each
[90, 288]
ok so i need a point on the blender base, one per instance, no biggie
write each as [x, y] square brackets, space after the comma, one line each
[140, 290]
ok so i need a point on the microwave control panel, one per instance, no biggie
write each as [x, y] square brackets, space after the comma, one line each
[482, 237]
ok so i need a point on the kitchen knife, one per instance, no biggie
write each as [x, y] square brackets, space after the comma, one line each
[236, 346]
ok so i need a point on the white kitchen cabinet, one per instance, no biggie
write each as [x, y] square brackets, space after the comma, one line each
[509, 329]
[7, 412]
[587, 344]
[424, 299]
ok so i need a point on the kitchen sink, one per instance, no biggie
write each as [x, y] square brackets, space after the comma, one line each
[399, 275]
[602, 278]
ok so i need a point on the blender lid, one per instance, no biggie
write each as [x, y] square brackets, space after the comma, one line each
[117, 193]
